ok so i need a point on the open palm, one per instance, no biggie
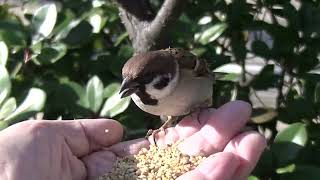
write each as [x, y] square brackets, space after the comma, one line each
[86, 149]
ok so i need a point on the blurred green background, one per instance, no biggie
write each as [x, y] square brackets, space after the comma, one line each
[63, 60]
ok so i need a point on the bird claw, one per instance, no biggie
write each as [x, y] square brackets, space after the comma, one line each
[168, 122]
[151, 133]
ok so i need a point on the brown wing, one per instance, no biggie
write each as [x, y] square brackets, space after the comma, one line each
[188, 60]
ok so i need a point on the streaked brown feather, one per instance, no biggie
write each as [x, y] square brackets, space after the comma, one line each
[163, 62]
[187, 60]
[158, 62]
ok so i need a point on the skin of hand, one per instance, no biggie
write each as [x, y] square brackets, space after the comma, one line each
[86, 149]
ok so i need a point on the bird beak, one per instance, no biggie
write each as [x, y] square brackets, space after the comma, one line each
[128, 87]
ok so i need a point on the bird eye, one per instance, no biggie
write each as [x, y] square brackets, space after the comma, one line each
[146, 79]
[163, 82]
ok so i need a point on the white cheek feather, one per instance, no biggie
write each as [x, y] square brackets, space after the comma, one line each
[136, 98]
[160, 93]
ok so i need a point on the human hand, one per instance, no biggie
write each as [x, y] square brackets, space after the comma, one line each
[56, 150]
[82, 149]
[218, 133]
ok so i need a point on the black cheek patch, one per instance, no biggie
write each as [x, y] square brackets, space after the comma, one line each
[150, 101]
[145, 98]
[164, 81]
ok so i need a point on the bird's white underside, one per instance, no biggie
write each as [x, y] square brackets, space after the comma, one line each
[181, 96]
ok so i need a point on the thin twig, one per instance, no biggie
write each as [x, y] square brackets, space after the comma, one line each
[280, 87]
[259, 99]
[168, 12]
[146, 29]
[243, 80]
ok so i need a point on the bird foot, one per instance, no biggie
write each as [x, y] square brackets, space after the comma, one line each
[168, 122]
[151, 133]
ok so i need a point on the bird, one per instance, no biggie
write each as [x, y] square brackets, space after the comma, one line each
[169, 83]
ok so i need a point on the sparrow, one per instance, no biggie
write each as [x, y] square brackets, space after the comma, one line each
[169, 83]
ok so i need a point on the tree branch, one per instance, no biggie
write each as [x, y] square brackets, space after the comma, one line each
[168, 13]
[147, 30]
[140, 9]
[134, 15]
[280, 97]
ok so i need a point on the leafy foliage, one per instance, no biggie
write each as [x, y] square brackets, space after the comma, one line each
[65, 59]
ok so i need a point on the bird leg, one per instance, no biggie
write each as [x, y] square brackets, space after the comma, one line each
[165, 125]
[168, 121]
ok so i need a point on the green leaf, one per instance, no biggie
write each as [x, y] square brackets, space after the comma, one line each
[233, 77]
[79, 90]
[63, 31]
[114, 106]
[79, 35]
[125, 51]
[295, 133]
[52, 54]
[297, 108]
[71, 27]
[265, 165]
[287, 169]
[97, 21]
[33, 102]
[94, 93]
[3, 53]
[43, 21]
[303, 172]
[5, 84]
[122, 37]
[212, 33]
[36, 48]
[111, 89]
[62, 26]
[3, 125]
[285, 152]
[252, 178]
[7, 108]
[205, 20]
[288, 143]
[199, 51]
[12, 34]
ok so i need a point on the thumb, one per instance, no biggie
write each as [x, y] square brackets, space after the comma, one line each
[88, 135]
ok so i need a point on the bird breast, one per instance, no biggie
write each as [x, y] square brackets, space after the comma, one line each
[190, 93]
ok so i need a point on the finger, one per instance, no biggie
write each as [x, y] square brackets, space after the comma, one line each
[249, 147]
[99, 163]
[163, 138]
[88, 135]
[127, 148]
[219, 166]
[222, 124]
[190, 124]
[185, 128]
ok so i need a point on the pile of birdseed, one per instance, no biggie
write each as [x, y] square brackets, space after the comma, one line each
[154, 163]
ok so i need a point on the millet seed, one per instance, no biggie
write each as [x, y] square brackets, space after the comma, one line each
[152, 164]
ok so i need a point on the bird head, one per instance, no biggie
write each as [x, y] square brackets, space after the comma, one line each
[155, 73]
